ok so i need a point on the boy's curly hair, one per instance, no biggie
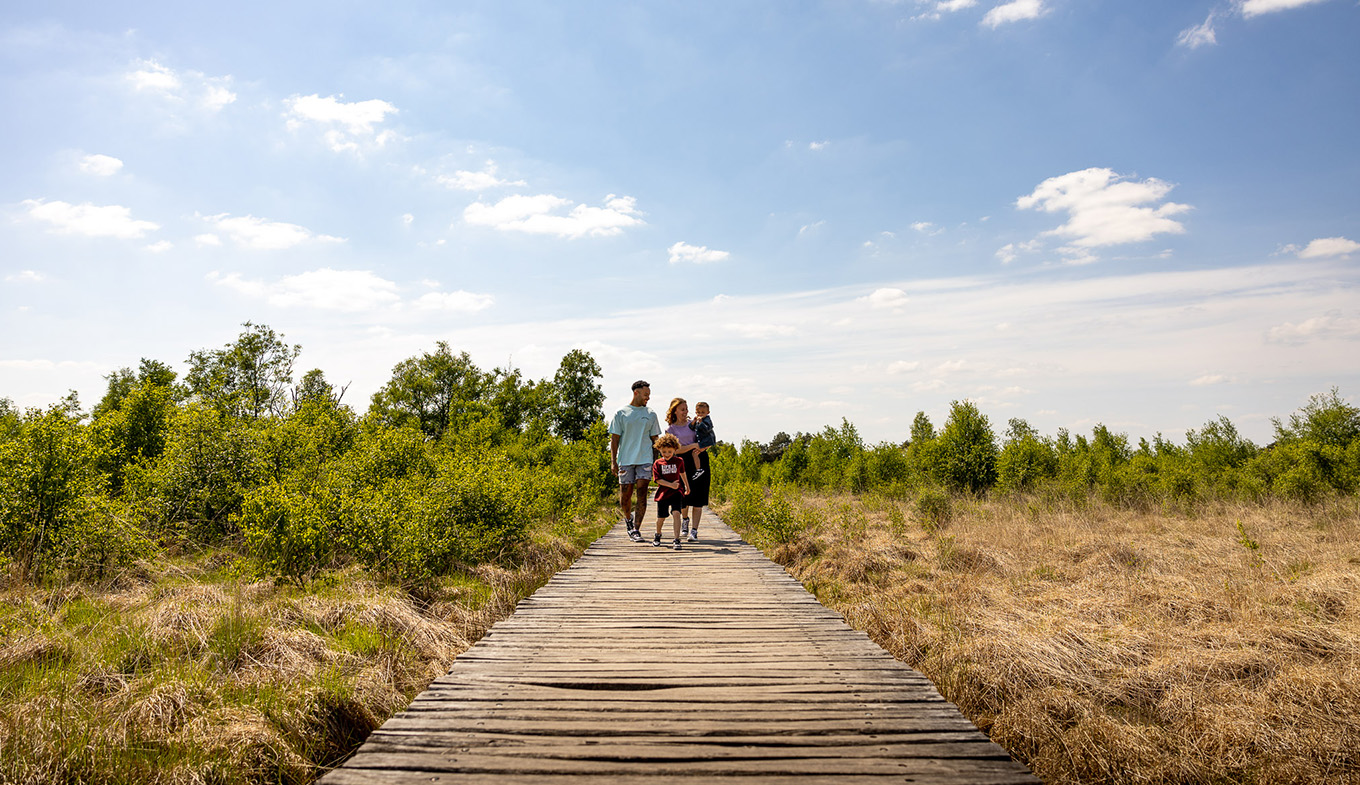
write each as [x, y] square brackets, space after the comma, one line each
[667, 440]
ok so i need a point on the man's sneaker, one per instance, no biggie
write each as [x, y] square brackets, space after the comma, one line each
[635, 535]
[693, 535]
[657, 541]
[674, 543]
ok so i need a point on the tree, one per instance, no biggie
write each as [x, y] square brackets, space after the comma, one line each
[578, 399]
[921, 429]
[1326, 419]
[48, 480]
[249, 378]
[315, 389]
[434, 392]
[965, 451]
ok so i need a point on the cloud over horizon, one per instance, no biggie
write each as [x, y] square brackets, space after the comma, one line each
[545, 214]
[89, 220]
[1104, 209]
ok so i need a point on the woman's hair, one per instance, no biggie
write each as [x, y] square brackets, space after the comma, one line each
[667, 440]
[676, 403]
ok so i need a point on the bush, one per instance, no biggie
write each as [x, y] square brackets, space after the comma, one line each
[50, 489]
[964, 454]
[1024, 463]
[934, 508]
[288, 532]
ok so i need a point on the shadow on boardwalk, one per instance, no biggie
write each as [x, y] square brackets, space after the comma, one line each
[644, 664]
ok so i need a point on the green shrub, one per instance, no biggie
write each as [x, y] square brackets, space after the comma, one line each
[49, 487]
[290, 533]
[934, 508]
[1024, 463]
[964, 454]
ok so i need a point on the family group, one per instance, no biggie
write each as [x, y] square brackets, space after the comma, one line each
[681, 473]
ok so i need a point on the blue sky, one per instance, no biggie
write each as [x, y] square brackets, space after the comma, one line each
[1142, 214]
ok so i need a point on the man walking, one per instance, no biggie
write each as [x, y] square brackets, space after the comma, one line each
[630, 454]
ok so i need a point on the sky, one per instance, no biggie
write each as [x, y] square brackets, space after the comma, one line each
[1073, 212]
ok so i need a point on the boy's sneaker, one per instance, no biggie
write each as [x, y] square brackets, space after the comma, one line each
[674, 543]
[657, 541]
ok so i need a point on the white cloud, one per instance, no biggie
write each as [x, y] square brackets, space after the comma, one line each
[927, 228]
[1252, 8]
[25, 276]
[1330, 325]
[697, 254]
[209, 93]
[543, 214]
[325, 289]
[1006, 253]
[211, 240]
[347, 125]
[902, 366]
[1209, 379]
[1014, 11]
[1104, 209]
[154, 76]
[408, 219]
[1324, 247]
[160, 247]
[945, 7]
[1199, 35]
[885, 298]
[100, 165]
[90, 220]
[761, 330]
[809, 228]
[476, 181]
[461, 301]
[818, 145]
[257, 234]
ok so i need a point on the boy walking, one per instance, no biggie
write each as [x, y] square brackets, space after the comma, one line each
[630, 454]
[672, 486]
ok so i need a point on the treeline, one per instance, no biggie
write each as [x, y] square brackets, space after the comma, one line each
[1316, 452]
[447, 467]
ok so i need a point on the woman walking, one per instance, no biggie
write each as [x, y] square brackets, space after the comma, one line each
[696, 467]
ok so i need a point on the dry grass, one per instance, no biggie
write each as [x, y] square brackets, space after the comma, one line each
[1100, 645]
[184, 673]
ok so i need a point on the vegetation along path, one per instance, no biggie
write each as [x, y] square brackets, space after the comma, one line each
[644, 664]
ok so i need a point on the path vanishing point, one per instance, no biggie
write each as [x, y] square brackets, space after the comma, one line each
[640, 665]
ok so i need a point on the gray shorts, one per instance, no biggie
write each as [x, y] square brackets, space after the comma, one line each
[628, 475]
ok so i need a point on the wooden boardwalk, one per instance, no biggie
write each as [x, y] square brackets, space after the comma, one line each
[647, 665]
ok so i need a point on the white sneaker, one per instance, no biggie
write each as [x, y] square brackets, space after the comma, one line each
[693, 535]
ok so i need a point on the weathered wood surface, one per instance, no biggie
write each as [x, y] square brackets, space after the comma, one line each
[645, 665]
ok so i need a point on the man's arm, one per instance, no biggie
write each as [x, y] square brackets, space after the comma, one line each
[614, 453]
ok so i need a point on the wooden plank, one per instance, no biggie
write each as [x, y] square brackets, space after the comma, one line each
[647, 664]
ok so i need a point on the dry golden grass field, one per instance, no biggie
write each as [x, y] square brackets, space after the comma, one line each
[186, 671]
[1215, 645]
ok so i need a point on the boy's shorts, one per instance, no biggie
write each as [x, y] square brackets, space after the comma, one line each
[634, 472]
[664, 507]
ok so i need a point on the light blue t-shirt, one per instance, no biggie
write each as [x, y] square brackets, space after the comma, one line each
[636, 427]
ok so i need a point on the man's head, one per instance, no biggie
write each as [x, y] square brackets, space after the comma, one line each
[642, 392]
